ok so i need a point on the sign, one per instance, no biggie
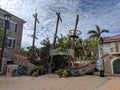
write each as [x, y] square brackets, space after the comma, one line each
[62, 51]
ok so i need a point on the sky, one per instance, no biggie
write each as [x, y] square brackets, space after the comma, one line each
[104, 13]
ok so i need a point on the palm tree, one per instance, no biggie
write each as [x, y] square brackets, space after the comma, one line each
[97, 35]
[90, 47]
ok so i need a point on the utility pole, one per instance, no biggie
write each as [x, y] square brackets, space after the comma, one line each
[34, 35]
[54, 41]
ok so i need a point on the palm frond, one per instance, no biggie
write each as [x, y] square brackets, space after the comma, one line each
[104, 31]
[92, 32]
[97, 28]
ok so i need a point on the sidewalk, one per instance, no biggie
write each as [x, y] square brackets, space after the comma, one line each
[113, 83]
[53, 82]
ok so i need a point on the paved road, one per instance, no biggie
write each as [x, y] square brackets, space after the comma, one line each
[53, 82]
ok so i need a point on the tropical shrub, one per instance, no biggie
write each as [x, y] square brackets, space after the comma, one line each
[39, 70]
[59, 72]
[65, 73]
[69, 73]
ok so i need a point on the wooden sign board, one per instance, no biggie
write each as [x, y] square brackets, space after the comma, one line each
[62, 52]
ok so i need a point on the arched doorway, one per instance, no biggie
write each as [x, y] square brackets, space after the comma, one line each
[116, 66]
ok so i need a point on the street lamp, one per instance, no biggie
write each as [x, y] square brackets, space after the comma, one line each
[7, 21]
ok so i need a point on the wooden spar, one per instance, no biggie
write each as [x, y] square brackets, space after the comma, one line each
[56, 30]
[34, 35]
[54, 41]
[74, 34]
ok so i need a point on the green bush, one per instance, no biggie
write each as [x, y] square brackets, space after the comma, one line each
[63, 73]
[69, 73]
[59, 72]
[37, 71]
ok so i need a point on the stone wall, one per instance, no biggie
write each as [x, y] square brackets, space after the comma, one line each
[108, 63]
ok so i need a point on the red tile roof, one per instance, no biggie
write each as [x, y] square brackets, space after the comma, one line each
[113, 38]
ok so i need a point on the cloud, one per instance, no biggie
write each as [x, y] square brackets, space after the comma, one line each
[104, 13]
